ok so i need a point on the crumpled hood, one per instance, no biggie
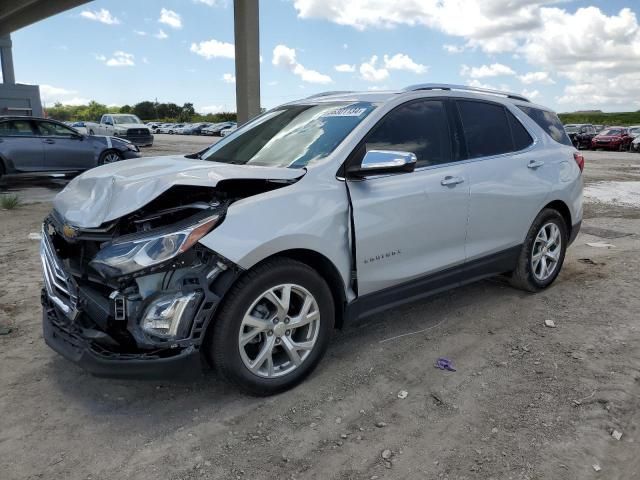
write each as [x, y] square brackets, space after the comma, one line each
[108, 192]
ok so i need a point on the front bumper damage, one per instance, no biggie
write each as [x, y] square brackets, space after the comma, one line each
[96, 323]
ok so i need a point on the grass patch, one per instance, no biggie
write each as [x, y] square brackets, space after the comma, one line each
[9, 202]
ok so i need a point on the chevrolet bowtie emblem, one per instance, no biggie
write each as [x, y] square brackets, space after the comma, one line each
[69, 231]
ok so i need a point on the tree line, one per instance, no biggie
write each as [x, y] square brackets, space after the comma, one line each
[147, 111]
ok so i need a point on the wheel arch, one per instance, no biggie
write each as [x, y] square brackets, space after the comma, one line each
[562, 208]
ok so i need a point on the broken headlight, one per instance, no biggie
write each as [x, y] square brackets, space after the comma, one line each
[128, 256]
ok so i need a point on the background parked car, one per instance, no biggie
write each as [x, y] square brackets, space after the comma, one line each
[635, 145]
[216, 128]
[164, 128]
[612, 138]
[196, 128]
[35, 145]
[581, 134]
[229, 130]
[80, 127]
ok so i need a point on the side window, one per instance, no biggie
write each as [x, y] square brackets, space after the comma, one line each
[521, 138]
[549, 122]
[50, 129]
[16, 128]
[420, 127]
[108, 120]
[486, 128]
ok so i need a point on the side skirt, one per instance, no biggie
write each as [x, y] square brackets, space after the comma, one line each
[372, 303]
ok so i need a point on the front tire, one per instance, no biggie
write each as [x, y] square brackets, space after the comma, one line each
[273, 328]
[542, 253]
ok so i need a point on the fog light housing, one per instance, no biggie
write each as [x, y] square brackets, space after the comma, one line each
[170, 316]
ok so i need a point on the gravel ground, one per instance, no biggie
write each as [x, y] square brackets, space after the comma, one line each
[526, 401]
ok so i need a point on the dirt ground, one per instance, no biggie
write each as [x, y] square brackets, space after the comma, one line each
[526, 401]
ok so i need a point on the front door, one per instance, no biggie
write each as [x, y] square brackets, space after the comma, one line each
[412, 224]
[64, 149]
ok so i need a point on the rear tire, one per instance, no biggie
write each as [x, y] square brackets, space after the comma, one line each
[274, 354]
[542, 253]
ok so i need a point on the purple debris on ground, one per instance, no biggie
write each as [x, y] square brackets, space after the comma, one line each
[445, 364]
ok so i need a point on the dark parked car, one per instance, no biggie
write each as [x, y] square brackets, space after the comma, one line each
[612, 138]
[37, 145]
[581, 134]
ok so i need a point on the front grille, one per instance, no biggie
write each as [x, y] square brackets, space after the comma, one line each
[61, 288]
[137, 132]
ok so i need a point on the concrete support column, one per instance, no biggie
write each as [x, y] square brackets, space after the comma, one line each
[247, 42]
[6, 58]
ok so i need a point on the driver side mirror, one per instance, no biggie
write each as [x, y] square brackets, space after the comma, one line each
[384, 162]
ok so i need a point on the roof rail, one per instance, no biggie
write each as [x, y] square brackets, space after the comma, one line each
[330, 92]
[446, 86]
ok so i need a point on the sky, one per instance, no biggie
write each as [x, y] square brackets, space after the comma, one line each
[568, 55]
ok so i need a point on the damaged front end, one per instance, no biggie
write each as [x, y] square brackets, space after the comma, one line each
[134, 296]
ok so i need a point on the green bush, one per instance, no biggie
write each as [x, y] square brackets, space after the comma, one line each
[9, 202]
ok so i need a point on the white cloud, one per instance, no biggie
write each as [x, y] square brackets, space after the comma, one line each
[229, 78]
[140, 32]
[50, 95]
[587, 47]
[493, 70]
[453, 48]
[401, 61]
[345, 68]
[536, 77]
[119, 59]
[211, 109]
[103, 16]
[212, 3]
[214, 49]
[285, 57]
[531, 94]
[370, 73]
[161, 35]
[145, 60]
[478, 84]
[170, 18]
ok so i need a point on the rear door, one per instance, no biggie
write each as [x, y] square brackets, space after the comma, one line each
[413, 224]
[20, 145]
[509, 183]
[64, 149]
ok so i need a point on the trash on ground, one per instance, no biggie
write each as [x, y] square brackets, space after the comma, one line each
[600, 244]
[596, 467]
[402, 394]
[386, 454]
[34, 236]
[588, 261]
[5, 330]
[550, 323]
[445, 364]
[616, 434]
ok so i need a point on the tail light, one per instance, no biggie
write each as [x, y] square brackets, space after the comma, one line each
[579, 158]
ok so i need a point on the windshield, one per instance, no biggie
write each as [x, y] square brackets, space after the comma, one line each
[611, 131]
[634, 131]
[293, 136]
[126, 119]
[570, 128]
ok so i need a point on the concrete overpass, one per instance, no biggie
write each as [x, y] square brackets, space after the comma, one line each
[25, 99]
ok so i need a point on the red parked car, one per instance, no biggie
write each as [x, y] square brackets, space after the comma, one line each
[612, 138]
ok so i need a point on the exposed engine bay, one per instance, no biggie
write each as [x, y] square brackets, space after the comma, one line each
[141, 286]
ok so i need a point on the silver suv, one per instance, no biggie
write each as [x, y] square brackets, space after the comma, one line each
[316, 213]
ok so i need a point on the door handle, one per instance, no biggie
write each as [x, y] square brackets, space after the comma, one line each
[535, 164]
[49, 140]
[449, 180]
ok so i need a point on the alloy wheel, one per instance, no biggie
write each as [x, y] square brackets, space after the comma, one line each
[545, 254]
[279, 331]
[111, 157]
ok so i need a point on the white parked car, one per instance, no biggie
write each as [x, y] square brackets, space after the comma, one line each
[227, 131]
[315, 214]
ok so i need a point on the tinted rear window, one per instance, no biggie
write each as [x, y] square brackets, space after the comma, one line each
[549, 122]
[521, 138]
[486, 128]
